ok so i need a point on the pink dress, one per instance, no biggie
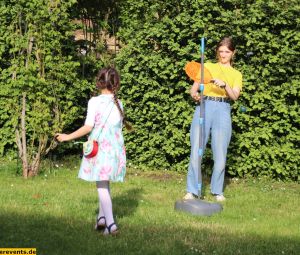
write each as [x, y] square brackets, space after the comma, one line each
[110, 161]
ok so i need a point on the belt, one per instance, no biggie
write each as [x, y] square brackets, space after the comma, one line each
[217, 99]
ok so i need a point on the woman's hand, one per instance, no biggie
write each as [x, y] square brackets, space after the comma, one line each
[219, 83]
[232, 93]
[62, 137]
[194, 91]
[196, 96]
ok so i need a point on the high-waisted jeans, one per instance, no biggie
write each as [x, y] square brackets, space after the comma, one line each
[217, 122]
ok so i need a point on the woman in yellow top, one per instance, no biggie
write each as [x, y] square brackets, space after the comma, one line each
[225, 86]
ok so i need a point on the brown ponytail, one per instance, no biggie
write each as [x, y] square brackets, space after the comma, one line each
[127, 125]
[108, 78]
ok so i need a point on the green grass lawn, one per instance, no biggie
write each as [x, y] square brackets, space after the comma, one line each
[55, 213]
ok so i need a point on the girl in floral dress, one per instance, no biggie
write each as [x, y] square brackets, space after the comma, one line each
[104, 122]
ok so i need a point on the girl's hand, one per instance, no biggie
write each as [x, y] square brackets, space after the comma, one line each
[219, 83]
[84, 130]
[62, 137]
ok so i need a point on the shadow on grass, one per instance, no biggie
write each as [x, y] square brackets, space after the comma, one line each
[126, 204]
[63, 235]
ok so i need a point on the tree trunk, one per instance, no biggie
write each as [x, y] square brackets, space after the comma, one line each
[21, 139]
[35, 165]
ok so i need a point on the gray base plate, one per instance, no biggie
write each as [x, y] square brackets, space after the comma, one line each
[198, 207]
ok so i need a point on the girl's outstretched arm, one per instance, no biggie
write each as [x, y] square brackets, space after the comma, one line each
[84, 130]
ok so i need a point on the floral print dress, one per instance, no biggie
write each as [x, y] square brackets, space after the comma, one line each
[110, 162]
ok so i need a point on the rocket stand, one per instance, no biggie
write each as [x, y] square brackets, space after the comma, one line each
[198, 206]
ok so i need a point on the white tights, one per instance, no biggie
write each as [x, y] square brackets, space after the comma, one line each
[105, 204]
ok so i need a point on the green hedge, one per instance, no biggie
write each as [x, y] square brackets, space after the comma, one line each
[159, 37]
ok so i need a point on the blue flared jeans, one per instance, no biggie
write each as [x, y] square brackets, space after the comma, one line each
[217, 123]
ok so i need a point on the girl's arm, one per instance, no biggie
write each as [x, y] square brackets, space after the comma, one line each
[84, 130]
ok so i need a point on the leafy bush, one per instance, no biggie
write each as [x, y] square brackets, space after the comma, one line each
[40, 85]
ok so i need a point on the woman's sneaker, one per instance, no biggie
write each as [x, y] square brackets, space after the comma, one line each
[220, 198]
[189, 196]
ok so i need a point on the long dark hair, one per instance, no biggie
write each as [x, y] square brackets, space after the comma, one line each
[229, 43]
[108, 78]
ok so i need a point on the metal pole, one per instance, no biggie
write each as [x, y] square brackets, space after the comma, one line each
[201, 120]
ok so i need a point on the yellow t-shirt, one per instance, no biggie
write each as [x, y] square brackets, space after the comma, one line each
[229, 75]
